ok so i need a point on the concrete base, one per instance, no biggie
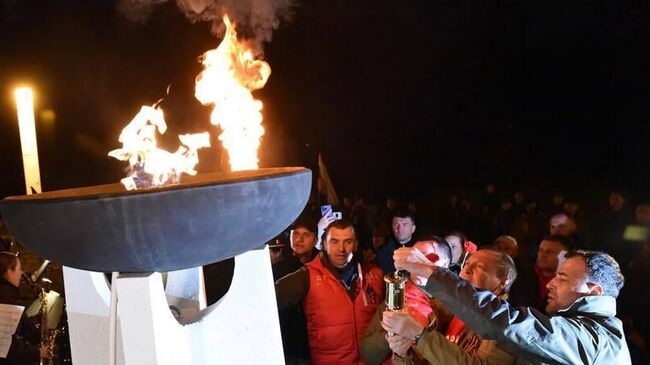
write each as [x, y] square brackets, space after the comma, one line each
[240, 328]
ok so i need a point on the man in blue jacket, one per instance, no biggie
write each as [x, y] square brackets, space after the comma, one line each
[581, 327]
[403, 228]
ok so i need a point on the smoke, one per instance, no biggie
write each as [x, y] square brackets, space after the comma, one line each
[255, 19]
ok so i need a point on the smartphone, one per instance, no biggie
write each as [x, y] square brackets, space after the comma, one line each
[337, 215]
[324, 209]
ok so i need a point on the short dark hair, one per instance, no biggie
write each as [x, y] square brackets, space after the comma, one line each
[8, 261]
[404, 214]
[507, 269]
[306, 222]
[461, 235]
[602, 269]
[563, 241]
[339, 224]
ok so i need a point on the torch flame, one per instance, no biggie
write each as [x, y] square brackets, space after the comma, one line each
[230, 73]
[150, 165]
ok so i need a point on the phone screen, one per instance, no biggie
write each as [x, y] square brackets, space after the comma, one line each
[324, 209]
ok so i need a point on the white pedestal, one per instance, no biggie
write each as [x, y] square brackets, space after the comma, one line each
[241, 328]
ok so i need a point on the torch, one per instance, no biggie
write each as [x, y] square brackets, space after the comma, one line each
[395, 291]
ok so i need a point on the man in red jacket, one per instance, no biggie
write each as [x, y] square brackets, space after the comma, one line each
[339, 294]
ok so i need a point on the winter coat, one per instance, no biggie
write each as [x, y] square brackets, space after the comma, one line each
[585, 333]
[336, 315]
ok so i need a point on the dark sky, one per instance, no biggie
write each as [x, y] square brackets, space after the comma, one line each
[401, 97]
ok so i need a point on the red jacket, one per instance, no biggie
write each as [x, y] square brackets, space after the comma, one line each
[419, 307]
[335, 322]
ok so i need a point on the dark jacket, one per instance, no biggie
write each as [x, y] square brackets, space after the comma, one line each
[385, 254]
[25, 342]
[293, 323]
[585, 333]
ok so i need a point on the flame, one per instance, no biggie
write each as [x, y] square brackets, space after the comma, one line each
[148, 164]
[230, 73]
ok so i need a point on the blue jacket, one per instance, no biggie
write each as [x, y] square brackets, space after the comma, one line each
[385, 254]
[585, 333]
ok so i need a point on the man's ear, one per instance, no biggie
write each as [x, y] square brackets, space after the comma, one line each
[595, 289]
[501, 287]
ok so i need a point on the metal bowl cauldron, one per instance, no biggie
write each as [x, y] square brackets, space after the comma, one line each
[207, 218]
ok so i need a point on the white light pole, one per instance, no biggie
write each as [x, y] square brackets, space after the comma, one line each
[25, 106]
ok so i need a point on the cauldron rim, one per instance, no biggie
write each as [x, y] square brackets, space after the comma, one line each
[188, 182]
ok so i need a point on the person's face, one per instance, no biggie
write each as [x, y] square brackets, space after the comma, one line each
[547, 255]
[490, 188]
[616, 201]
[642, 214]
[453, 199]
[13, 276]
[561, 225]
[531, 207]
[427, 248]
[508, 247]
[558, 199]
[456, 248]
[569, 284]
[481, 270]
[412, 207]
[519, 197]
[378, 241]
[506, 206]
[340, 245]
[302, 240]
[571, 207]
[403, 228]
[391, 203]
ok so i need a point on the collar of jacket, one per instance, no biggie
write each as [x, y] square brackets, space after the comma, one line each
[394, 243]
[352, 265]
[600, 305]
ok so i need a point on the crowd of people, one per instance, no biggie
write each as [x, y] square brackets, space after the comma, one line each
[505, 280]
[542, 288]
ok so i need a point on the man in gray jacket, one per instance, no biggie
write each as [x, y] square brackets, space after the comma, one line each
[582, 327]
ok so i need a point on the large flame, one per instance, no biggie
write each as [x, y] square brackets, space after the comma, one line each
[230, 73]
[150, 165]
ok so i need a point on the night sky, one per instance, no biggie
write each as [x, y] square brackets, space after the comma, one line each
[400, 97]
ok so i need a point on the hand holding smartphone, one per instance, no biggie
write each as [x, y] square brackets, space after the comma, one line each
[326, 210]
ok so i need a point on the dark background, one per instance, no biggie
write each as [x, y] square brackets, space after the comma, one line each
[401, 97]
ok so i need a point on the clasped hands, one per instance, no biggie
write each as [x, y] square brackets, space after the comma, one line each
[405, 328]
